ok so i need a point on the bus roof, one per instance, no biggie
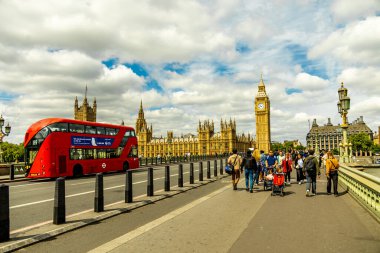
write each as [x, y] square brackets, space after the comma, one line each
[37, 126]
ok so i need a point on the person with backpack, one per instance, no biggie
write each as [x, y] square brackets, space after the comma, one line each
[251, 171]
[332, 166]
[311, 170]
[235, 161]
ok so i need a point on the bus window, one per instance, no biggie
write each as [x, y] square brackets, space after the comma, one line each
[111, 131]
[31, 155]
[133, 133]
[89, 154]
[133, 152]
[76, 154]
[76, 128]
[101, 153]
[58, 127]
[90, 130]
[100, 130]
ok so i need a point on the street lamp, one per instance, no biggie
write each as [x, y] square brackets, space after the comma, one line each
[343, 107]
[2, 134]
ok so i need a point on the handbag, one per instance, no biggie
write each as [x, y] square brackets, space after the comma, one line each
[229, 167]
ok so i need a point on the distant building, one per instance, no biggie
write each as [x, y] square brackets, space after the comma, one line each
[85, 112]
[207, 142]
[376, 137]
[329, 136]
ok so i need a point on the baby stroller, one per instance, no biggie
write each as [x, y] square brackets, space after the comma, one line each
[278, 184]
[268, 184]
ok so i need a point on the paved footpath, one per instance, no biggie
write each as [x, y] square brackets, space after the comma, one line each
[238, 221]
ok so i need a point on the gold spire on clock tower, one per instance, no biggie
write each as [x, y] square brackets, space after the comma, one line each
[262, 112]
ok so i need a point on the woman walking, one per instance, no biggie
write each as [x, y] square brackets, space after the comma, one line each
[332, 166]
[287, 167]
[299, 166]
[235, 161]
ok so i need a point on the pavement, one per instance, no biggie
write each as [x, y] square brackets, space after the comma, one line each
[239, 221]
[225, 220]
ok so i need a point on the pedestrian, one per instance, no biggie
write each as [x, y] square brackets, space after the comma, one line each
[280, 157]
[263, 169]
[311, 170]
[271, 161]
[287, 167]
[332, 166]
[250, 170]
[235, 161]
[299, 167]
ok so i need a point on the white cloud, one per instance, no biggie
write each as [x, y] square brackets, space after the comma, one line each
[344, 10]
[357, 43]
[50, 50]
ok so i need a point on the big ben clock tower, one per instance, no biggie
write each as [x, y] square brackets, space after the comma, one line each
[262, 111]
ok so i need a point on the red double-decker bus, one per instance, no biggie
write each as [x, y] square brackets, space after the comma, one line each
[57, 147]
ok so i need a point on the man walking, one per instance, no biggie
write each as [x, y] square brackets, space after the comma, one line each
[311, 170]
[235, 161]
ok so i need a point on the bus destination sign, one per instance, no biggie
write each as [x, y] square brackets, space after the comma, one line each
[91, 141]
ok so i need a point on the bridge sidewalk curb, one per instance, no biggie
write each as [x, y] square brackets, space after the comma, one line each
[50, 230]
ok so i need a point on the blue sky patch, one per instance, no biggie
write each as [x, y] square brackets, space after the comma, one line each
[290, 91]
[111, 62]
[153, 84]
[299, 56]
[6, 96]
[223, 69]
[176, 67]
[242, 47]
[137, 68]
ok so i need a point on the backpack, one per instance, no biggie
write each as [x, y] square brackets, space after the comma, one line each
[309, 164]
[248, 163]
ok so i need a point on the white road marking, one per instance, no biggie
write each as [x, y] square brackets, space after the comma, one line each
[84, 193]
[109, 246]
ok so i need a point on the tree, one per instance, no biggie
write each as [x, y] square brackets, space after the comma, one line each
[12, 152]
[277, 146]
[360, 141]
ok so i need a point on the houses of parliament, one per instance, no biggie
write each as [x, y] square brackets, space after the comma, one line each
[206, 142]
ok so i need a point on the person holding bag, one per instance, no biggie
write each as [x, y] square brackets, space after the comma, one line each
[235, 161]
[332, 166]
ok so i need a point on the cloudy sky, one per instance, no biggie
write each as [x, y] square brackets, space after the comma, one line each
[189, 61]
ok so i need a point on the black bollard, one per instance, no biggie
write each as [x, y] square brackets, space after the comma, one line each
[191, 173]
[4, 213]
[167, 178]
[156, 160]
[180, 175]
[59, 216]
[149, 187]
[221, 167]
[208, 170]
[99, 194]
[200, 171]
[12, 172]
[128, 187]
[215, 168]
[146, 161]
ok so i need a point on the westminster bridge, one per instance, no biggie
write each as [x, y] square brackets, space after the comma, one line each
[189, 206]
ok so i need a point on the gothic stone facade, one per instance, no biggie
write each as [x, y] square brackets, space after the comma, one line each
[262, 112]
[85, 112]
[207, 142]
[329, 136]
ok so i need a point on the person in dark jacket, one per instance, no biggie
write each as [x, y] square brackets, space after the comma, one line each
[251, 170]
[311, 170]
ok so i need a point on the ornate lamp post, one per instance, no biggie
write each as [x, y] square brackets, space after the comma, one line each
[2, 134]
[343, 107]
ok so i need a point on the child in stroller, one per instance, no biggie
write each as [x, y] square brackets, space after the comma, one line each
[268, 179]
[278, 184]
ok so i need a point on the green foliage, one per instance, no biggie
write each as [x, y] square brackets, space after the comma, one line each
[277, 146]
[376, 148]
[360, 141]
[11, 152]
[335, 151]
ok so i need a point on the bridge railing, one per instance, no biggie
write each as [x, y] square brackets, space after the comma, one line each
[364, 187]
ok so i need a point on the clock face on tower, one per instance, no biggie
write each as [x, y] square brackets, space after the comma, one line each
[260, 106]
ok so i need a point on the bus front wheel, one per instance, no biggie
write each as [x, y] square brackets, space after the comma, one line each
[77, 171]
[125, 166]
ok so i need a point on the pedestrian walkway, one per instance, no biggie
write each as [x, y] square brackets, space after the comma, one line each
[239, 221]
